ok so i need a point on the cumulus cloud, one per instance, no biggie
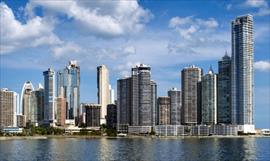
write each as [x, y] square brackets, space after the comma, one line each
[15, 35]
[262, 65]
[187, 26]
[106, 18]
[261, 5]
[64, 49]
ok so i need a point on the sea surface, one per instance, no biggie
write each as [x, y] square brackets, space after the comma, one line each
[163, 149]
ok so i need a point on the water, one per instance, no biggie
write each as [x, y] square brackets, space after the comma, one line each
[136, 149]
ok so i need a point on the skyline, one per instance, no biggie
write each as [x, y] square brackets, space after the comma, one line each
[178, 29]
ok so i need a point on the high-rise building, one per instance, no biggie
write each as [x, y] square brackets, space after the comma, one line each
[175, 105]
[112, 100]
[124, 102]
[154, 103]
[142, 94]
[92, 114]
[26, 102]
[164, 113]
[136, 98]
[209, 98]
[224, 91]
[103, 91]
[242, 72]
[9, 102]
[190, 77]
[68, 86]
[36, 112]
[60, 105]
[49, 97]
[111, 116]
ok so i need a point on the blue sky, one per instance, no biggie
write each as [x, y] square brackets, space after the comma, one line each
[167, 36]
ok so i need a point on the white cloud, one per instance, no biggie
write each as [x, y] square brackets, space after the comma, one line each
[64, 49]
[261, 5]
[256, 3]
[187, 26]
[262, 65]
[15, 35]
[114, 18]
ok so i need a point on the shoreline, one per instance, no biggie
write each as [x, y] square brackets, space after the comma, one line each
[37, 137]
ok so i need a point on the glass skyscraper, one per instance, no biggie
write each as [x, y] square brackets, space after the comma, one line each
[175, 100]
[224, 91]
[68, 86]
[242, 72]
[49, 97]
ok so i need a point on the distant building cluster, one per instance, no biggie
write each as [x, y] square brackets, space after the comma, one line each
[212, 103]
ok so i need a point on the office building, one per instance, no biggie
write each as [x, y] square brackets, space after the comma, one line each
[112, 100]
[68, 86]
[60, 105]
[111, 118]
[224, 91]
[209, 98]
[124, 102]
[164, 112]
[36, 111]
[9, 102]
[103, 91]
[154, 103]
[49, 97]
[190, 105]
[175, 104]
[92, 114]
[242, 72]
[26, 103]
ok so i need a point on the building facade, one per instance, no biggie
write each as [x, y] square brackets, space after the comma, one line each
[209, 98]
[68, 86]
[103, 91]
[111, 116]
[124, 101]
[49, 97]
[175, 104]
[224, 91]
[36, 112]
[9, 102]
[60, 105]
[26, 107]
[190, 77]
[92, 114]
[164, 113]
[154, 103]
[242, 72]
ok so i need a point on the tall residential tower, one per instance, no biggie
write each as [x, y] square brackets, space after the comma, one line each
[242, 72]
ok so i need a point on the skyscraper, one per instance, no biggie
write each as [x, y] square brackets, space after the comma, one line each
[209, 98]
[68, 86]
[224, 90]
[103, 91]
[175, 105]
[49, 97]
[141, 96]
[242, 72]
[164, 113]
[111, 95]
[26, 103]
[154, 103]
[36, 112]
[60, 105]
[190, 77]
[124, 102]
[9, 102]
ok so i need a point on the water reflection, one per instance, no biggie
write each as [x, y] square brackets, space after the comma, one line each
[137, 149]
